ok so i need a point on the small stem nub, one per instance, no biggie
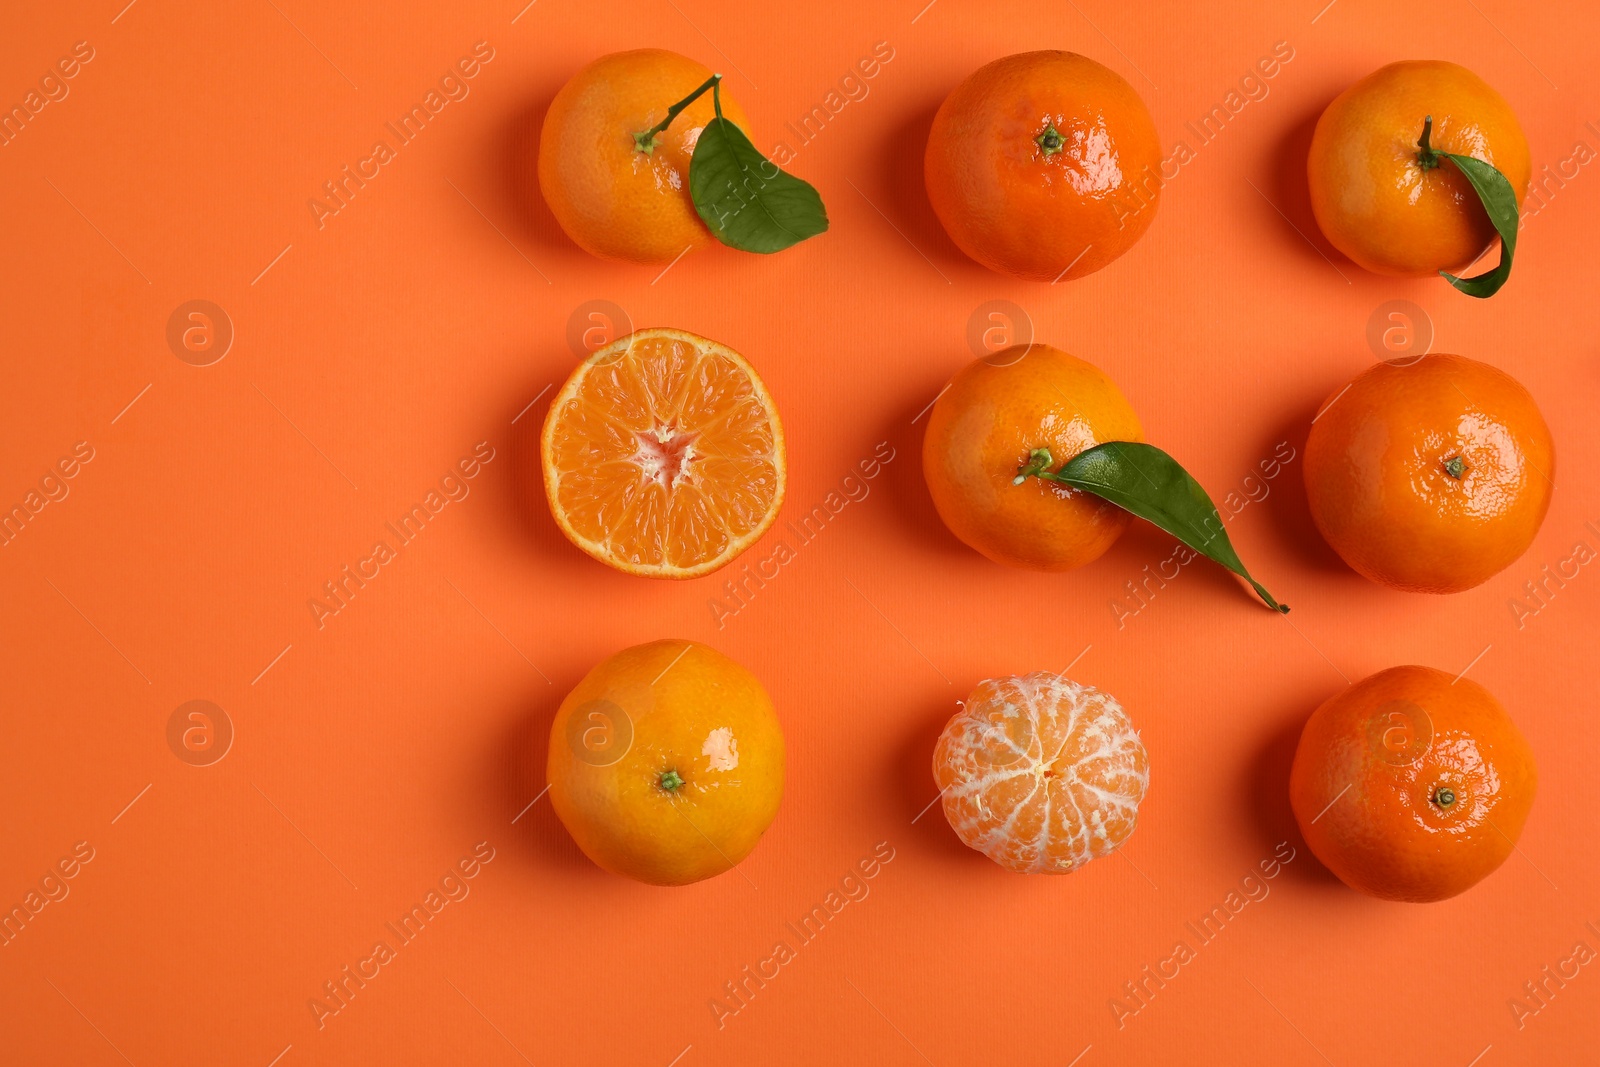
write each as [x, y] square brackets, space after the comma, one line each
[1050, 141]
[1455, 467]
[670, 781]
[646, 141]
[1038, 466]
[1444, 796]
[1427, 158]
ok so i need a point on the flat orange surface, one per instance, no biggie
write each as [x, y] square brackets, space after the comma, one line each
[378, 751]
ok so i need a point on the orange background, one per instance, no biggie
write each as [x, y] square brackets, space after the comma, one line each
[372, 754]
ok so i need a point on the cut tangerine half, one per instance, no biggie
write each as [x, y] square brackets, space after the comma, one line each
[663, 455]
[1041, 774]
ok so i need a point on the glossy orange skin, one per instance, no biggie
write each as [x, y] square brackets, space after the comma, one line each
[654, 708]
[613, 200]
[991, 415]
[1020, 211]
[1379, 490]
[1374, 201]
[1366, 772]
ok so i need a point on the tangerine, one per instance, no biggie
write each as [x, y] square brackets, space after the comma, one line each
[1412, 786]
[616, 198]
[994, 412]
[663, 455]
[1430, 475]
[666, 763]
[1380, 198]
[1041, 774]
[1044, 165]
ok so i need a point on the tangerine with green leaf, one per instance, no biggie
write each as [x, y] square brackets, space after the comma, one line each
[618, 189]
[995, 438]
[994, 413]
[1388, 185]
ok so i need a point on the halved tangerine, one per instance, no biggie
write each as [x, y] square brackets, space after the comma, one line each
[663, 455]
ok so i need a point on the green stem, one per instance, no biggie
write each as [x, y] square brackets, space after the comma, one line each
[646, 141]
[1427, 158]
[1050, 141]
[1038, 466]
[670, 781]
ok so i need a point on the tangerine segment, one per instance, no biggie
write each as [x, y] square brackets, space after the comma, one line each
[1041, 774]
[663, 455]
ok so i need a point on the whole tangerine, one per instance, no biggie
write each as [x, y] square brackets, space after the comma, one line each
[1044, 165]
[1430, 475]
[1373, 192]
[1412, 786]
[613, 197]
[994, 412]
[666, 763]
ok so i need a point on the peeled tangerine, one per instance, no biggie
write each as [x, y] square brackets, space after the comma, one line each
[1041, 774]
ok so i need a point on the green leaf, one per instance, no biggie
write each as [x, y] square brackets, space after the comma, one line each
[748, 202]
[1144, 480]
[1500, 201]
